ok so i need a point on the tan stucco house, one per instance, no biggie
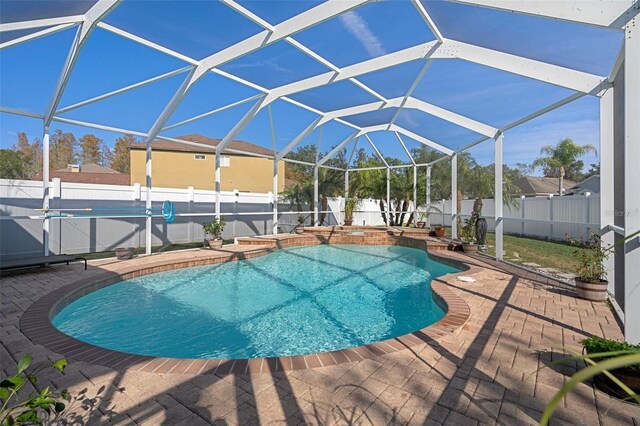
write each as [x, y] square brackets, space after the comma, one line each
[176, 165]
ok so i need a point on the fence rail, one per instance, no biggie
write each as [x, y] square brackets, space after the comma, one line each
[248, 214]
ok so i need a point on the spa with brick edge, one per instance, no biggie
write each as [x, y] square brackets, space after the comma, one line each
[36, 320]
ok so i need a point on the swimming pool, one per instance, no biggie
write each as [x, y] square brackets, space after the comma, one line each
[291, 302]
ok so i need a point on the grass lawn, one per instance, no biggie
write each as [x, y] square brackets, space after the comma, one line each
[545, 253]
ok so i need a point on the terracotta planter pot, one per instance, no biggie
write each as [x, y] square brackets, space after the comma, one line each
[348, 222]
[422, 224]
[123, 253]
[626, 375]
[440, 232]
[596, 292]
[469, 248]
[214, 243]
[299, 229]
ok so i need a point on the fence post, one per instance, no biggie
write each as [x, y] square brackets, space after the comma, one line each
[190, 198]
[522, 214]
[454, 196]
[587, 209]
[428, 195]
[550, 217]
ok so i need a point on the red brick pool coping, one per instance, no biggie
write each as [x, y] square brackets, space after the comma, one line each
[36, 324]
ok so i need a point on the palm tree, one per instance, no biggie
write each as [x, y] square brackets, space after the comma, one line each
[561, 157]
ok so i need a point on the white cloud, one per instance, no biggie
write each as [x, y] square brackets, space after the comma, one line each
[360, 30]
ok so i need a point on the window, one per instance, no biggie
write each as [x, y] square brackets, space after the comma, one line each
[225, 161]
[199, 157]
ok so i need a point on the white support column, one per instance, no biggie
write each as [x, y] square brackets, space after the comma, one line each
[45, 191]
[275, 196]
[388, 196]
[454, 196]
[415, 195]
[607, 189]
[631, 179]
[315, 196]
[428, 194]
[346, 184]
[498, 197]
[148, 222]
[346, 187]
[217, 185]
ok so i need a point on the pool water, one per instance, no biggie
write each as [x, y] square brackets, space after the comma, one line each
[291, 302]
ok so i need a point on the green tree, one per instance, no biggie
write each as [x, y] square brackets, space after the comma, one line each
[13, 164]
[32, 153]
[557, 160]
[63, 150]
[92, 150]
[120, 159]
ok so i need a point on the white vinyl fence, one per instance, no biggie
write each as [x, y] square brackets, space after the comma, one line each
[247, 214]
[541, 217]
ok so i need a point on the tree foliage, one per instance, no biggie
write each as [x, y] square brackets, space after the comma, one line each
[13, 164]
[561, 160]
[93, 150]
[63, 150]
[120, 159]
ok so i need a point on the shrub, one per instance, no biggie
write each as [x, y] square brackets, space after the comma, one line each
[34, 408]
[597, 345]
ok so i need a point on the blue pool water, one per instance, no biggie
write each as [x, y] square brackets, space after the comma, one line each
[291, 302]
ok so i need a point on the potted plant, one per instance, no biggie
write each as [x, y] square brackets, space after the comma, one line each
[591, 282]
[124, 253]
[350, 204]
[440, 231]
[422, 219]
[468, 236]
[213, 232]
[599, 349]
[300, 227]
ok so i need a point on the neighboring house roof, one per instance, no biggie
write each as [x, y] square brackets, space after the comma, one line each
[90, 173]
[176, 146]
[532, 186]
[590, 184]
[90, 168]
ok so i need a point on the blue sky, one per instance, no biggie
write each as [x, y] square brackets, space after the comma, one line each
[198, 29]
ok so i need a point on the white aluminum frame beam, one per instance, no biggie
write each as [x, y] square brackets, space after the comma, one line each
[420, 105]
[427, 19]
[338, 147]
[603, 13]
[124, 89]
[607, 181]
[498, 188]
[451, 117]
[404, 147]
[93, 16]
[40, 23]
[52, 30]
[376, 151]
[454, 196]
[537, 70]
[306, 132]
[411, 89]
[631, 179]
[421, 139]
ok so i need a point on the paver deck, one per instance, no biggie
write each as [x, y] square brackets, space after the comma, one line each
[487, 372]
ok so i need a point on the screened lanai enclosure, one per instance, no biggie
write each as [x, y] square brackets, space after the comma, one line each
[384, 77]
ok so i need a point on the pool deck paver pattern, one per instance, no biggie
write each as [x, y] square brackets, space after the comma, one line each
[495, 369]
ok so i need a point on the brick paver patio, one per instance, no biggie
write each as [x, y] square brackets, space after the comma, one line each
[490, 371]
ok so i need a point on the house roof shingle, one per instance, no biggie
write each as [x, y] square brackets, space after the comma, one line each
[164, 145]
[90, 173]
[533, 185]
